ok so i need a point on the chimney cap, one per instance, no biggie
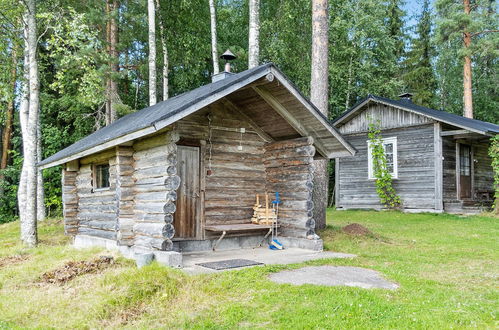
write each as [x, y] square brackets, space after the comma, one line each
[406, 96]
[228, 56]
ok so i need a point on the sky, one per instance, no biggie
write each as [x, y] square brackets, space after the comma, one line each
[412, 8]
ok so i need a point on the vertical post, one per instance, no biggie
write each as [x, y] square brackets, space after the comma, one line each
[437, 146]
[337, 182]
[70, 198]
[124, 195]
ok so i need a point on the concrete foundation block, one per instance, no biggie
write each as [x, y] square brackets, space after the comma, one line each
[301, 243]
[143, 259]
[169, 258]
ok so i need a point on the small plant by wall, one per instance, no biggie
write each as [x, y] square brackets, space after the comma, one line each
[494, 154]
[383, 179]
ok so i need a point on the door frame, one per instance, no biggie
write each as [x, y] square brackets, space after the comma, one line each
[200, 217]
[458, 170]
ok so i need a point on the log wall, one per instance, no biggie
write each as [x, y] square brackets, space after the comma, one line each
[97, 209]
[236, 175]
[483, 172]
[416, 171]
[289, 170]
[70, 201]
[449, 168]
[156, 182]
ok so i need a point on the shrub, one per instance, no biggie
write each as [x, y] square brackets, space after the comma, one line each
[494, 154]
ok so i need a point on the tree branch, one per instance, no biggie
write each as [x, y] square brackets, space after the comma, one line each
[482, 32]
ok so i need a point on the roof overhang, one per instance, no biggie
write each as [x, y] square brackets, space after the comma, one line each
[270, 72]
[353, 112]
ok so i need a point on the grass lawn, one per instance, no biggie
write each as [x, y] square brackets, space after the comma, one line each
[446, 265]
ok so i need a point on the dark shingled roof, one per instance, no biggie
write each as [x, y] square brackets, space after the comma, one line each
[446, 117]
[154, 117]
[149, 116]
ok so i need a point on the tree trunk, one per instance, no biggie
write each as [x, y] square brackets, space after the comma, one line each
[165, 52]
[23, 121]
[254, 33]
[28, 224]
[467, 82]
[9, 116]
[319, 97]
[151, 14]
[40, 194]
[112, 43]
[214, 49]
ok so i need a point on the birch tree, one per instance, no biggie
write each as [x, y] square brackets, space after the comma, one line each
[30, 136]
[254, 33]
[165, 51]
[213, 25]
[112, 97]
[319, 97]
[151, 14]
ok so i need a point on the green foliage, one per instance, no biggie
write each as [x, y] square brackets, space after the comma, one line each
[419, 76]
[383, 178]
[484, 51]
[494, 155]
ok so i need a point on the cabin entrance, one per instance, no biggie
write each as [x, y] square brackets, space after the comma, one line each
[186, 216]
[465, 172]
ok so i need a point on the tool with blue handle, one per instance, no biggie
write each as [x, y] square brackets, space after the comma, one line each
[275, 244]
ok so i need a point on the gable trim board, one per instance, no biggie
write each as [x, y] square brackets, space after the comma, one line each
[170, 111]
[467, 124]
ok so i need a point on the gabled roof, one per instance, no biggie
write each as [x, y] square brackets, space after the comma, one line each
[156, 117]
[473, 125]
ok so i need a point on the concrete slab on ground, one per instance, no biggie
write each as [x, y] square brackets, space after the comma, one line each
[263, 255]
[334, 276]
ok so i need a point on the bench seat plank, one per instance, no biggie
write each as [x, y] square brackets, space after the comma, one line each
[237, 227]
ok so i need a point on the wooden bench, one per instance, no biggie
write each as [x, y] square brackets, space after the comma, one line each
[238, 228]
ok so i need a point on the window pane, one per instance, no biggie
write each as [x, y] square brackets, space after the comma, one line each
[389, 148]
[102, 176]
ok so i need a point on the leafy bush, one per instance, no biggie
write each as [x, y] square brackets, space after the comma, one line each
[494, 154]
[383, 178]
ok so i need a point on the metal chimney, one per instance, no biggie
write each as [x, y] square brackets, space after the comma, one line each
[406, 97]
[227, 56]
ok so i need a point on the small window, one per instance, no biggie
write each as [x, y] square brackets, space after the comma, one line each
[465, 160]
[101, 176]
[390, 146]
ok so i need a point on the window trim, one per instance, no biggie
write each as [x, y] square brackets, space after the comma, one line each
[395, 173]
[94, 177]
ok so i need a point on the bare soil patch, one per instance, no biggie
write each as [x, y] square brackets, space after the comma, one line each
[72, 269]
[357, 229]
[12, 260]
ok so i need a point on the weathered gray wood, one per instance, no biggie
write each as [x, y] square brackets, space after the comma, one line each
[155, 230]
[439, 203]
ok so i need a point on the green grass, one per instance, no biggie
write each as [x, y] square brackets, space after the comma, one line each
[446, 266]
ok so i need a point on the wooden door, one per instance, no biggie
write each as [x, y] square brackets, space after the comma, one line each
[465, 170]
[186, 217]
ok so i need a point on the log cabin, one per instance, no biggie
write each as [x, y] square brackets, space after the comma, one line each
[183, 174]
[439, 161]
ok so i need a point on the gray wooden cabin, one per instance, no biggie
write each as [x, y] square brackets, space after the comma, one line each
[178, 175]
[439, 161]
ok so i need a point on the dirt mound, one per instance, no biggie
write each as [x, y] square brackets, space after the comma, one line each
[72, 269]
[357, 229]
[12, 260]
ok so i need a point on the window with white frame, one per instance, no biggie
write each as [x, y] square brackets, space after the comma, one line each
[390, 146]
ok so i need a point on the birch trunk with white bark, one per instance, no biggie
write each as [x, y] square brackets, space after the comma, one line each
[254, 34]
[213, 24]
[319, 97]
[165, 52]
[29, 223]
[151, 14]
[40, 194]
[23, 121]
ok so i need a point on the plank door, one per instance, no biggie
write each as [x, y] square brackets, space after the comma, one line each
[186, 217]
[465, 171]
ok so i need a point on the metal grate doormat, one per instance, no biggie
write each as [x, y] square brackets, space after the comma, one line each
[228, 264]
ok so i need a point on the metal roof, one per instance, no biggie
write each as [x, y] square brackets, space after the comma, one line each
[474, 125]
[156, 117]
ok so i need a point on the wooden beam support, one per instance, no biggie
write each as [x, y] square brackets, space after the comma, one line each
[455, 132]
[229, 104]
[280, 109]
